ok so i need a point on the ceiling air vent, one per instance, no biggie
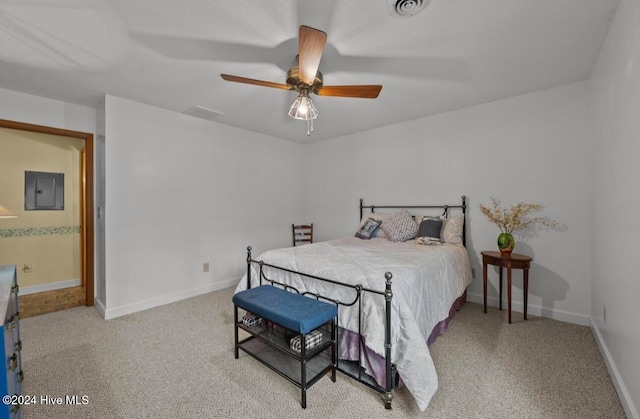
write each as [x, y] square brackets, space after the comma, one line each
[406, 8]
[202, 113]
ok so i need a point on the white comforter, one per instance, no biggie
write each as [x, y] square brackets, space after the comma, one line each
[426, 281]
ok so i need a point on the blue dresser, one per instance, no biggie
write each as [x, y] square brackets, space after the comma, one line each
[11, 346]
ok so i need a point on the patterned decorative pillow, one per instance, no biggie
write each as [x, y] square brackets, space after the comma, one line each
[400, 226]
[368, 228]
[429, 231]
[452, 230]
[376, 216]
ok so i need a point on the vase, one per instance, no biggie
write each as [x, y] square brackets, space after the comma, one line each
[506, 243]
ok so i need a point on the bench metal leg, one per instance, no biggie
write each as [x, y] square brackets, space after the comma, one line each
[303, 370]
[235, 329]
[334, 350]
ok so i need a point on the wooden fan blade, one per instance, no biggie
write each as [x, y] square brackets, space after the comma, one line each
[311, 45]
[245, 80]
[367, 91]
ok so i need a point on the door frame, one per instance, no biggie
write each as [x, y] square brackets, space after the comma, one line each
[88, 226]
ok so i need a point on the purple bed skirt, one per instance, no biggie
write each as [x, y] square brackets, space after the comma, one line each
[373, 363]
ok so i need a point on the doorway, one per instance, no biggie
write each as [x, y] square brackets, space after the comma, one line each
[69, 296]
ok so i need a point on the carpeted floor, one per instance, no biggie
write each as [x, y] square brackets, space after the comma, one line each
[176, 361]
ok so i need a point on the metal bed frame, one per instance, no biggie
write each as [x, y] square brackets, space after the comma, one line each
[445, 212]
[352, 368]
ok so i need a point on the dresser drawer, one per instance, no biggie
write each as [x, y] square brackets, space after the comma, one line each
[11, 374]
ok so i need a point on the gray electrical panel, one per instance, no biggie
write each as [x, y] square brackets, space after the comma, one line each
[43, 191]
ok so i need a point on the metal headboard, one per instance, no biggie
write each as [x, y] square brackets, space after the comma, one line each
[445, 208]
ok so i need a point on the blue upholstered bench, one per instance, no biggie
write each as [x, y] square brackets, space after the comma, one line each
[299, 314]
[293, 311]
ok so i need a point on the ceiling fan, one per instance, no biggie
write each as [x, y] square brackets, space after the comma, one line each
[306, 79]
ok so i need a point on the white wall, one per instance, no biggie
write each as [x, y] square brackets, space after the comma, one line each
[175, 192]
[531, 148]
[21, 107]
[615, 112]
[100, 289]
[181, 192]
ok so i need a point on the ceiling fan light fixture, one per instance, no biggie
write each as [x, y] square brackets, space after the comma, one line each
[305, 77]
[303, 107]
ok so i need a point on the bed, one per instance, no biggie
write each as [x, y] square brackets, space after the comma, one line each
[394, 296]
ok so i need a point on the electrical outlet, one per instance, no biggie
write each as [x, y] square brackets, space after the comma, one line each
[205, 267]
[604, 314]
[27, 268]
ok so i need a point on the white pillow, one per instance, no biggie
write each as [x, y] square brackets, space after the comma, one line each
[452, 230]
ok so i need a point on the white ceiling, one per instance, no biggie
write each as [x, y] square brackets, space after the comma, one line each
[170, 53]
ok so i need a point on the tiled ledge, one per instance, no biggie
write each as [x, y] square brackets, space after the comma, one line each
[6, 233]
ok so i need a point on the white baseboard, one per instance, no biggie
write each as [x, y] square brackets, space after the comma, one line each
[50, 287]
[99, 305]
[625, 398]
[167, 299]
[561, 315]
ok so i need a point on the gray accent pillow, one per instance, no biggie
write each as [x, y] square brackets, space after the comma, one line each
[429, 231]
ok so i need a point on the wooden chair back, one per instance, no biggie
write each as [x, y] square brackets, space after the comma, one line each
[302, 234]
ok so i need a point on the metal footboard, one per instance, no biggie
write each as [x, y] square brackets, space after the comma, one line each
[346, 367]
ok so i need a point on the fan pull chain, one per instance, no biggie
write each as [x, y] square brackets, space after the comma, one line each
[309, 126]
